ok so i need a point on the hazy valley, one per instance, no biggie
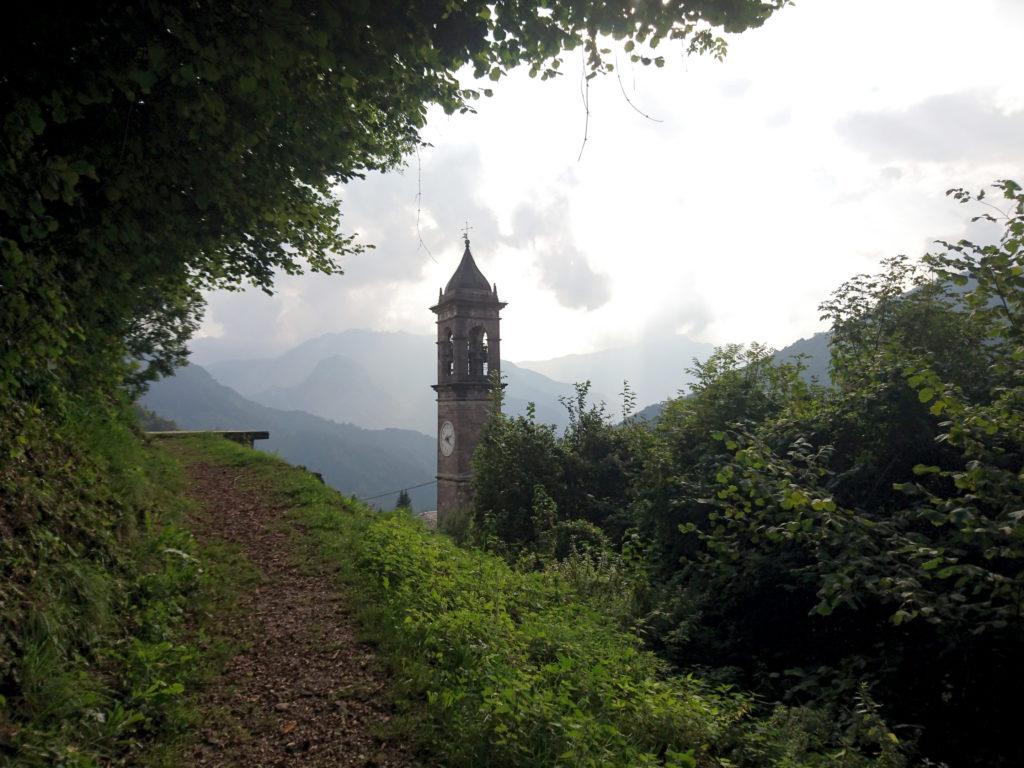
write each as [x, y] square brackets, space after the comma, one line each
[357, 406]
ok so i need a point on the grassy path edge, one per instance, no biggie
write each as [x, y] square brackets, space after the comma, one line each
[493, 666]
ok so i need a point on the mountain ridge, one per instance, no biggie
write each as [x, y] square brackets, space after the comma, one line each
[655, 367]
[388, 384]
[357, 461]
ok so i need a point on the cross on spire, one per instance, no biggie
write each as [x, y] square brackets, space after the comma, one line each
[465, 233]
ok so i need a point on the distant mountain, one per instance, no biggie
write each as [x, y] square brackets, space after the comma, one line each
[526, 386]
[817, 360]
[813, 353]
[379, 353]
[652, 412]
[341, 390]
[374, 379]
[377, 379]
[655, 368]
[150, 421]
[356, 461]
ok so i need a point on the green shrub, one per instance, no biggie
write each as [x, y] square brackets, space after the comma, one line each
[572, 536]
[516, 669]
[609, 582]
[828, 546]
[458, 524]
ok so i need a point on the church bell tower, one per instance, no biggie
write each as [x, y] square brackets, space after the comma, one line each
[468, 355]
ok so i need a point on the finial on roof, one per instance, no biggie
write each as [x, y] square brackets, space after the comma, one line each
[465, 234]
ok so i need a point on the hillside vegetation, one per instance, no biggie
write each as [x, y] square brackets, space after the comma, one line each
[98, 578]
[502, 666]
[811, 357]
[363, 462]
[852, 548]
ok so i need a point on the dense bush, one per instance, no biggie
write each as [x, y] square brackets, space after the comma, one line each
[854, 547]
[502, 666]
[519, 669]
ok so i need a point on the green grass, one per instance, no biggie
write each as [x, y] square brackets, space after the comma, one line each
[106, 599]
[493, 666]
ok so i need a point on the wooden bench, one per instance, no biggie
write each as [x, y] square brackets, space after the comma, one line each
[243, 436]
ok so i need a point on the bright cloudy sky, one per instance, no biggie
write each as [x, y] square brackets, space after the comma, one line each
[823, 142]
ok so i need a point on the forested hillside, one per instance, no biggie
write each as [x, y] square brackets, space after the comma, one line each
[850, 548]
[358, 462]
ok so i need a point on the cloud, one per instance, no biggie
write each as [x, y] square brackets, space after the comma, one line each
[671, 185]
[690, 314]
[382, 210]
[779, 118]
[735, 88]
[543, 228]
[951, 127]
[251, 324]
[381, 288]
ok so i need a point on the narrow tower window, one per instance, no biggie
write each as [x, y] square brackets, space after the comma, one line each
[448, 354]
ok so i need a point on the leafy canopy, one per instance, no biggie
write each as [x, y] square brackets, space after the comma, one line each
[154, 150]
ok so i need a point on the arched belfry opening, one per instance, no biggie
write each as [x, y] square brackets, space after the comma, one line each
[476, 352]
[468, 354]
[446, 355]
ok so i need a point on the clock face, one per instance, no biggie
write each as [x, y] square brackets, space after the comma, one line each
[447, 438]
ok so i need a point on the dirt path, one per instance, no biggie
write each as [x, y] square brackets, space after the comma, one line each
[303, 691]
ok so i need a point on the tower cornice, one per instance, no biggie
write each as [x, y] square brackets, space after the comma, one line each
[491, 303]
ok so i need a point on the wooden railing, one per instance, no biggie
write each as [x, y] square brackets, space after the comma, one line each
[243, 436]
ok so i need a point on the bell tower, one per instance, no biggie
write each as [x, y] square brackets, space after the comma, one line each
[468, 355]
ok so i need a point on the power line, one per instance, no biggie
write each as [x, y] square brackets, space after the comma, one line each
[397, 490]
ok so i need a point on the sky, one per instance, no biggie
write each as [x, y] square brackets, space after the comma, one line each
[752, 188]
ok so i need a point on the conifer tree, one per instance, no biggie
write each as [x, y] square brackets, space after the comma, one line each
[404, 502]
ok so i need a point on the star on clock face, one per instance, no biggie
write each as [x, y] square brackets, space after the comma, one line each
[447, 438]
